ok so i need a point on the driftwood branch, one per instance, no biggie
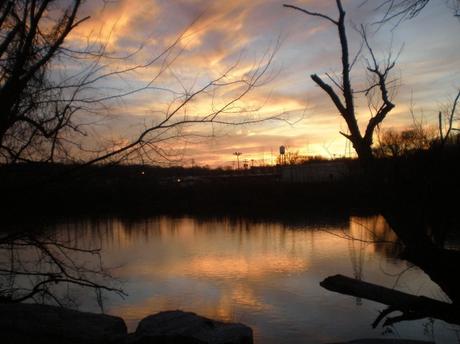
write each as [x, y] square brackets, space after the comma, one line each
[412, 307]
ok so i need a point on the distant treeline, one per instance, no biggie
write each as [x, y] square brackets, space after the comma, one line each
[426, 178]
[51, 189]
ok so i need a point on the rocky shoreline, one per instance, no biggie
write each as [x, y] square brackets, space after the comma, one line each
[40, 324]
[32, 323]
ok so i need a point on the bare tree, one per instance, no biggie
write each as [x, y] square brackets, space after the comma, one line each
[362, 142]
[400, 10]
[47, 114]
[446, 121]
[393, 143]
[32, 110]
[390, 143]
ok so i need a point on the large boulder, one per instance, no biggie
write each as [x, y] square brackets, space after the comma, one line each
[32, 323]
[180, 327]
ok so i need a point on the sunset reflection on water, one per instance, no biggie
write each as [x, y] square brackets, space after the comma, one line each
[263, 274]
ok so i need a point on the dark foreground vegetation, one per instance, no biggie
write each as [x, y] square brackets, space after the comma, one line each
[63, 190]
[422, 181]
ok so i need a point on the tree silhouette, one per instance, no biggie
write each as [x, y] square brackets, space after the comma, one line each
[400, 10]
[32, 110]
[446, 121]
[52, 92]
[362, 142]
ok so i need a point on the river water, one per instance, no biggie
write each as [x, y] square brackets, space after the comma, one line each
[263, 274]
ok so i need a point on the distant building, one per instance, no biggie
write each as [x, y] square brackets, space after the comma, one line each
[315, 172]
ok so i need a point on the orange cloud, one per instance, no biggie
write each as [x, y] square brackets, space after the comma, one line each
[214, 35]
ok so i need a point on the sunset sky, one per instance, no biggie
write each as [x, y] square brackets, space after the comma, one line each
[218, 34]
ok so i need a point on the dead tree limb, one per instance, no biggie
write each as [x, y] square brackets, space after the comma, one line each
[412, 307]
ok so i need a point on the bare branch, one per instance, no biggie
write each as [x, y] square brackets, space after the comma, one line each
[314, 14]
[450, 120]
[329, 90]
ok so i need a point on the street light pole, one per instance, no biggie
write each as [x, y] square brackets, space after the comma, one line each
[237, 154]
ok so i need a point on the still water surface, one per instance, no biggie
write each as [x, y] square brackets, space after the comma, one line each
[263, 274]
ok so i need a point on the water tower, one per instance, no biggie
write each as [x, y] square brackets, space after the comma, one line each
[282, 155]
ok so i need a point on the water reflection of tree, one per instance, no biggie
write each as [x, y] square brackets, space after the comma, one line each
[423, 248]
[357, 251]
[373, 231]
[45, 268]
[418, 248]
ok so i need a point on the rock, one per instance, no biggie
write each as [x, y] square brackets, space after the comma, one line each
[180, 327]
[32, 323]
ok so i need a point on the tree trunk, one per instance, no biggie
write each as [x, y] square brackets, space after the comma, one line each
[364, 151]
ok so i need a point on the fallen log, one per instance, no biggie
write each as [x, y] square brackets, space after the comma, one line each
[412, 307]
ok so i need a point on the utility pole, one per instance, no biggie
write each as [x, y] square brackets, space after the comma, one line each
[237, 154]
